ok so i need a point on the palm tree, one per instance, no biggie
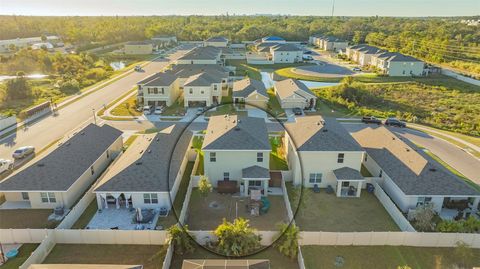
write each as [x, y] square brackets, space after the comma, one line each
[181, 239]
[287, 242]
[236, 238]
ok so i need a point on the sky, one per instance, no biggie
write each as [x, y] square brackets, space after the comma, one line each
[405, 8]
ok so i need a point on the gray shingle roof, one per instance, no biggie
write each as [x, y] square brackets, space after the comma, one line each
[314, 133]
[63, 166]
[187, 70]
[289, 87]
[145, 164]
[202, 53]
[255, 172]
[347, 173]
[233, 133]
[412, 172]
[202, 79]
[246, 86]
[286, 47]
[217, 39]
[159, 79]
[398, 57]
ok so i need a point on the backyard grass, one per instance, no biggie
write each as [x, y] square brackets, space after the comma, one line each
[197, 144]
[273, 105]
[277, 260]
[26, 218]
[150, 256]
[243, 69]
[127, 107]
[86, 216]
[328, 213]
[129, 141]
[364, 171]
[176, 109]
[23, 253]
[385, 257]
[277, 155]
[203, 217]
[171, 219]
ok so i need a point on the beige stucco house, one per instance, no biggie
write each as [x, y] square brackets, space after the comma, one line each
[148, 173]
[237, 149]
[250, 91]
[203, 89]
[202, 55]
[321, 152]
[140, 47]
[292, 93]
[410, 177]
[159, 89]
[62, 177]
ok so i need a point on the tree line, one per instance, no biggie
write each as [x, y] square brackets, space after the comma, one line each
[438, 40]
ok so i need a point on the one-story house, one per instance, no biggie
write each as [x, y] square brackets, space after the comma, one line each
[321, 152]
[413, 179]
[148, 173]
[250, 91]
[292, 93]
[62, 177]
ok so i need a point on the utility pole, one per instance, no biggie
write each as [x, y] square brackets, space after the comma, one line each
[333, 7]
[94, 116]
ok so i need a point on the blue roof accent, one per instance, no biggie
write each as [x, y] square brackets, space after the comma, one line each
[272, 38]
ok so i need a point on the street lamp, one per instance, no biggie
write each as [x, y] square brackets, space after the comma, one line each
[94, 116]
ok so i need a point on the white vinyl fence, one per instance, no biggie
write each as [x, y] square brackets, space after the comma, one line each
[168, 257]
[77, 210]
[413, 239]
[392, 209]
[41, 252]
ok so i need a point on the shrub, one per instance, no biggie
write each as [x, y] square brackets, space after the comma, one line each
[287, 242]
[237, 238]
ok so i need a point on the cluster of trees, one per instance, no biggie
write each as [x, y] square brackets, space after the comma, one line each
[439, 40]
[446, 107]
[470, 225]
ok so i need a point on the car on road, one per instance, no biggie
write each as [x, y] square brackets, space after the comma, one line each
[307, 52]
[158, 110]
[5, 165]
[371, 119]
[307, 58]
[23, 152]
[356, 69]
[147, 110]
[395, 122]
[297, 111]
[138, 68]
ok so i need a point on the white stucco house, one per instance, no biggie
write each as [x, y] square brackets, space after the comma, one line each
[411, 178]
[237, 150]
[292, 93]
[202, 55]
[286, 53]
[250, 91]
[217, 41]
[321, 152]
[399, 65]
[60, 178]
[148, 173]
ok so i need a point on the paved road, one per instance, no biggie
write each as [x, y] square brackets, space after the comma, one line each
[463, 162]
[73, 116]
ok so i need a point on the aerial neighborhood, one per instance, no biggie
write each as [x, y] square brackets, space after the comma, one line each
[224, 147]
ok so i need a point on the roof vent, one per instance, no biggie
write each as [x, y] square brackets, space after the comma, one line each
[324, 130]
[40, 164]
[141, 151]
[432, 169]
[393, 138]
[237, 128]
[138, 163]
[149, 151]
[67, 144]
[82, 133]
[407, 149]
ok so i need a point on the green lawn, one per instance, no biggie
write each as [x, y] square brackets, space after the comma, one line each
[385, 257]
[328, 213]
[273, 105]
[277, 260]
[23, 253]
[176, 109]
[288, 73]
[127, 108]
[277, 155]
[150, 256]
[86, 216]
[26, 218]
[243, 69]
[129, 141]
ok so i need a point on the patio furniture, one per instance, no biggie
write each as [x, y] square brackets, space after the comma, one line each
[163, 212]
[114, 228]
[139, 227]
[330, 189]
[144, 215]
[12, 253]
[370, 188]
[316, 189]
[265, 205]
[351, 191]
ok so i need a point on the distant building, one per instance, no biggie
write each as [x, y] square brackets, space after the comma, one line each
[286, 53]
[26, 42]
[273, 39]
[164, 40]
[138, 47]
[202, 55]
[218, 41]
[328, 43]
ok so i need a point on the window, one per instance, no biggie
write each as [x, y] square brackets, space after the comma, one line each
[259, 157]
[48, 197]
[255, 183]
[315, 178]
[366, 157]
[92, 170]
[190, 91]
[25, 196]
[226, 176]
[381, 173]
[202, 92]
[345, 184]
[340, 157]
[215, 87]
[421, 201]
[155, 90]
[213, 157]
[162, 90]
[108, 154]
[150, 198]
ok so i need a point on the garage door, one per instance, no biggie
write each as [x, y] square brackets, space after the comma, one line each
[197, 103]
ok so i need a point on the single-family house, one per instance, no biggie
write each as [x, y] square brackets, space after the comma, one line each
[159, 89]
[321, 152]
[333, 44]
[413, 179]
[250, 91]
[286, 53]
[273, 39]
[203, 89]
[138, 47]
[62, 177]
[399, 65]
[201, 55]
[217, 41]
[164, 40]
[237, 150]
[148, 173]
[292, 93]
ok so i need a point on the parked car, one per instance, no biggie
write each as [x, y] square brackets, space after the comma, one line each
[147, 110]
[138, 68]
[356, 69]
[158, 110]
[23, 152]
[5, 165]
[200, 111]
[371, 119]
[307, 58]
[307, 52]
[297, 111]
[395, 122]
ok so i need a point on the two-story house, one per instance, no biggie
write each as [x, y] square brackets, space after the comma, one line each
[286, 53]
[159, 89]
[217, 41]
[202, 55]
[203, 89]
[237, 149]
[321, 152]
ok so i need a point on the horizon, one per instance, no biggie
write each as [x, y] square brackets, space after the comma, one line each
[319, 8]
